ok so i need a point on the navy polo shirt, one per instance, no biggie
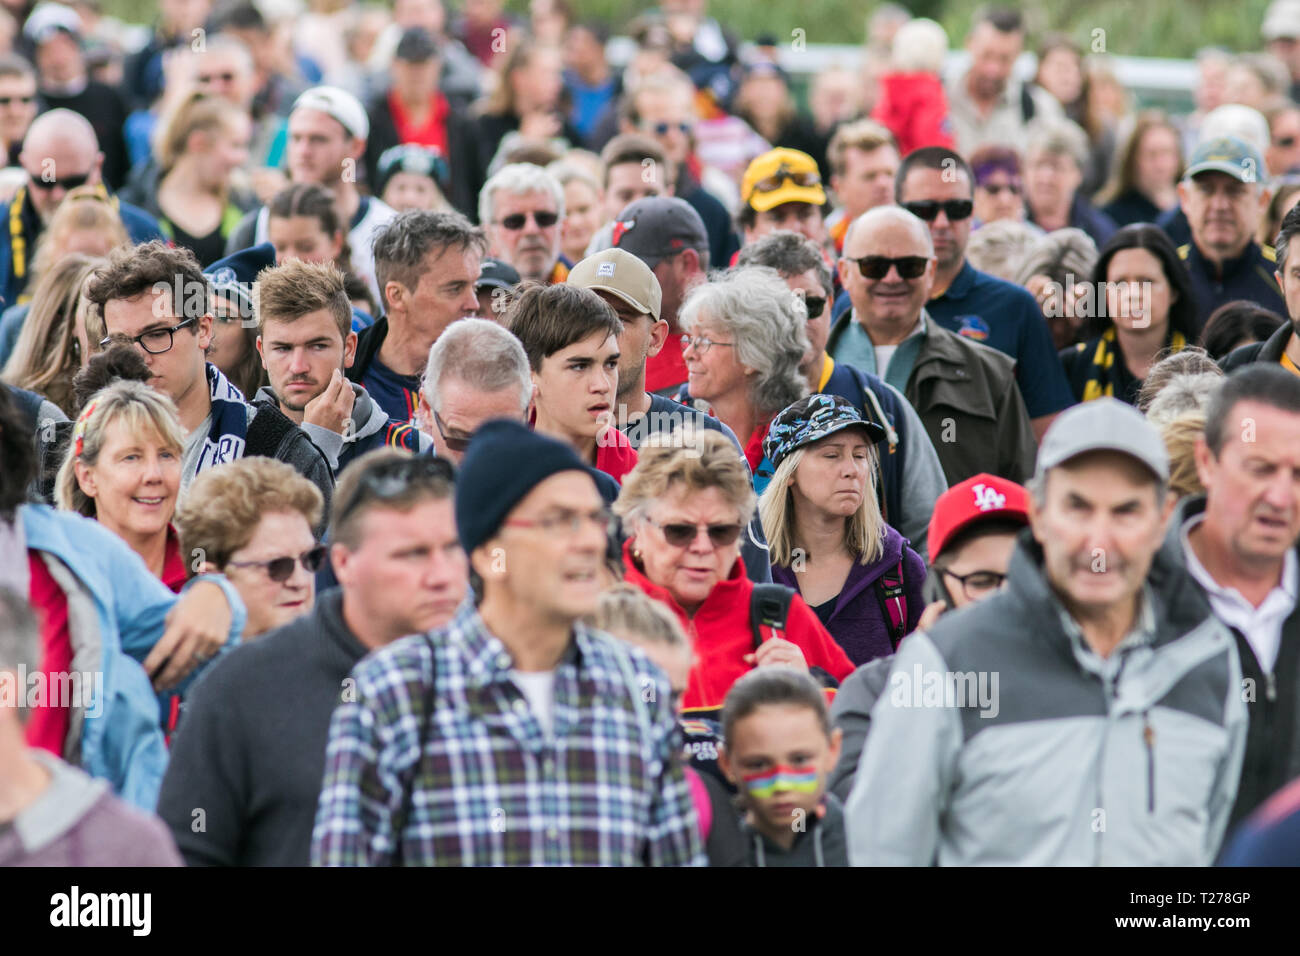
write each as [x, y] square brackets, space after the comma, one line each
[1249, 276]
[1002, 315]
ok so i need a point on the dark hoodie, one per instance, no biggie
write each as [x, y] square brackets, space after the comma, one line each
[857, 620]
[820, 843]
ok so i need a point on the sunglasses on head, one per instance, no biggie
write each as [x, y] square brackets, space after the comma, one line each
[928, 209]
[786, 174]
[516, 221]
[67, 183]
[877, 267]
[680, 534]
[280, 570]
[391, 479]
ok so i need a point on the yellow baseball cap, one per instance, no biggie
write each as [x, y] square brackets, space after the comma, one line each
[781, 176]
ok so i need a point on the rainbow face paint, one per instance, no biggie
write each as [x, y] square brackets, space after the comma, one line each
[763, 786]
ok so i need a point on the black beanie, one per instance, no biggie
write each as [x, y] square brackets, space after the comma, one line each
[505, 461]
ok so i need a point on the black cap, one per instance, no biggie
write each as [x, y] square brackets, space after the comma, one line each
[416, 46]
[497, 274]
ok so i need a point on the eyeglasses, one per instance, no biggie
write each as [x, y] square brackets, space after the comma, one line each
[786, 174]
[996, 189]
[877, 267]
[928, 209]
[701, 344]
[565, 521]
[155, 341]
[815, 304]
[977, 584]
[457, 443]
[515, 222]
[24, 100]
[661, 129]
[68, 183]
[206, 78]
[280, 570]
[392, 478]
[682, 535]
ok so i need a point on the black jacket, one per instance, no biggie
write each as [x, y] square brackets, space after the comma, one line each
[250, 751]
[1270, 350]
[460, 145]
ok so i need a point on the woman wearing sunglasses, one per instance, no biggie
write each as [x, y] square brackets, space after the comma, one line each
[827, 536]
[252, 520]
[685, 506]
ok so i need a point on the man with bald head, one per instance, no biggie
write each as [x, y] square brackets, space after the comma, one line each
[965, 392]
[59, 153]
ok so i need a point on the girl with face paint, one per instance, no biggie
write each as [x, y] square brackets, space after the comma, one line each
[779, 750]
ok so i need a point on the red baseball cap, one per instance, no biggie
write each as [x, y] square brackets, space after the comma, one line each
[975, 499]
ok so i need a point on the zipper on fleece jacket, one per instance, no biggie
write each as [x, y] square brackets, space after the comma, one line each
[1149, 738]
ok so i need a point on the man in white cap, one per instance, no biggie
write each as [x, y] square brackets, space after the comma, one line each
[1281, 32]
[1088, 714]
[327, 142]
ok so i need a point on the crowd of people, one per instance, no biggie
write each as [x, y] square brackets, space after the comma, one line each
[425, 441]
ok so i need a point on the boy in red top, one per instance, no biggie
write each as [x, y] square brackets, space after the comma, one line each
[570, 336]
[912, 102]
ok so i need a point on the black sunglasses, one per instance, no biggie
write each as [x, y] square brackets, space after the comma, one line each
[996, 189]
[544, 220]
[280, 570]
[457, 443]
[928, 209]
[67, 183]
[392, 478]
[815, 304]
[877, 267]
[681, 535]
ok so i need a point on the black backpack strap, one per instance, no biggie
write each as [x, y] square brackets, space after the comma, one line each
[267, 430]
[769, 606]
[428, 697]
[1027, 108]
[889, 587]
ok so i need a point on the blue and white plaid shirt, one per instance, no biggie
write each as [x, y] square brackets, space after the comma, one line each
[491, 788]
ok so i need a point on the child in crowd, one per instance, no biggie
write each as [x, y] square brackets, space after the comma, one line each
[779, 749]
[912, 102]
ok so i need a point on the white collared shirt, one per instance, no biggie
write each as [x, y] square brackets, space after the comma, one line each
[1261, 626]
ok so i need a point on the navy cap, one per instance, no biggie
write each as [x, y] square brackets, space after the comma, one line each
[234, 275]
[812, 419]
[497, 274]
[658, 227]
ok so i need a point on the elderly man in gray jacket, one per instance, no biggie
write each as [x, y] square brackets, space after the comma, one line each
[1090, 713]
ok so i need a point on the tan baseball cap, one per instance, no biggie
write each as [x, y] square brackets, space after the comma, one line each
[620, 273]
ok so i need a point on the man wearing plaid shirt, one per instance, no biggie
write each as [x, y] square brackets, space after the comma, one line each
[515, 735]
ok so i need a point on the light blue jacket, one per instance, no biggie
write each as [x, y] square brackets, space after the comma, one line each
[116, 613]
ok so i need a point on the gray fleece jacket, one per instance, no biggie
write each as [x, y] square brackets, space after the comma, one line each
[1003, 739]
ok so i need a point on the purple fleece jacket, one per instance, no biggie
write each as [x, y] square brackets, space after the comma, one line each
[858, 623]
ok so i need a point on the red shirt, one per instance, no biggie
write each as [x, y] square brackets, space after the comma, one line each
[432, 132]
[754, 447]
[174, 572]
[615, 455]
[47, 725]
[668, 368]
[721, 634]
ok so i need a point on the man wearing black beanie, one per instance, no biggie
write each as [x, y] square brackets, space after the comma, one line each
[531, 738]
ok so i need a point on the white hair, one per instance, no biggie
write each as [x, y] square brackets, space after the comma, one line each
[518, 179]
[1183, 393]
[1000, 247]
[483, 355]
[919, 46]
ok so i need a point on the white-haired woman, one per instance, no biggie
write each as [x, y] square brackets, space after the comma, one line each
[123, 468]
[743, 342]
[825, 531]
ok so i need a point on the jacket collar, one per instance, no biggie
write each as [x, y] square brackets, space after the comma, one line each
[1249, 256]
[734, 587]
[962, 283]
[1275, 345]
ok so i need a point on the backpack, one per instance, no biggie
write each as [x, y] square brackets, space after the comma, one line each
[769, 606]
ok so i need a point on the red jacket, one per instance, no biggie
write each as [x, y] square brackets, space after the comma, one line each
[914, 107]
[615, 455]
[721, 634]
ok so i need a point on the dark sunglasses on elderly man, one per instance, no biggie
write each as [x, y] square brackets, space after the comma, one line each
[877, 267]
[67, 183]
[516, 221]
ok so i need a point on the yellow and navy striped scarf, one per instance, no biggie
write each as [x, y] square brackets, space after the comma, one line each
[1104, 374]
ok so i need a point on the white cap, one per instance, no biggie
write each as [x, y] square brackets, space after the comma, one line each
[49, 17]
[340, 104]
[1282, 20]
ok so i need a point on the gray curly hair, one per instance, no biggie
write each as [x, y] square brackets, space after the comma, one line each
[759, 312]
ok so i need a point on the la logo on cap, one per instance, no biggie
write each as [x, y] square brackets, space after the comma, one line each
[988, 499]
[605, 269]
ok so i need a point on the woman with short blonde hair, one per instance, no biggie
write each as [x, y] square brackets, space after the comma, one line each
[252, 520]
[685, 506]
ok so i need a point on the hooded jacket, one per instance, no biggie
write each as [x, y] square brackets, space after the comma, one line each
[371, 429]
[116, 613]
[820, 843]
[858, 623]
[721, 634]
[1068, 759]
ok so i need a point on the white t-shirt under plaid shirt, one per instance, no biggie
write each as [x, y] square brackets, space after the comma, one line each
[491, 787]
